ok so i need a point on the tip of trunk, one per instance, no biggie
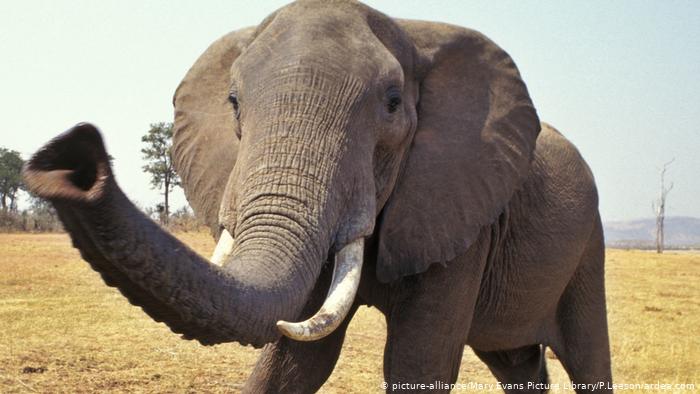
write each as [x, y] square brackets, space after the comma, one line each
[72, 166]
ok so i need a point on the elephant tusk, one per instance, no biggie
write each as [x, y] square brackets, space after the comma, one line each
[224, 248]
[346, 279]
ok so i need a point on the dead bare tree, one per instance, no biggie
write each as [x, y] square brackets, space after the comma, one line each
[659, 207]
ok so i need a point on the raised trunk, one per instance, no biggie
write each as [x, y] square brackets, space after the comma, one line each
[284, 205]
[240, 301]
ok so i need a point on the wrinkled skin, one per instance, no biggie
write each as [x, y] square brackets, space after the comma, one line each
[330, 122]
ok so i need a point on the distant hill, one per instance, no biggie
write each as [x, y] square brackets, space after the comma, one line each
[680, 232]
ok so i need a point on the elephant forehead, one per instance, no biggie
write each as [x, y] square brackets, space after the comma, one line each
[334, 38]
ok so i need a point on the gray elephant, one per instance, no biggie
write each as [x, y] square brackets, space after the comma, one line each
[345, 158]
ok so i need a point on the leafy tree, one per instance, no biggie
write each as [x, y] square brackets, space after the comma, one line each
[10, 178]
[160, 165]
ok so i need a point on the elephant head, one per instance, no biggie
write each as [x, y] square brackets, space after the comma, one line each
[296, 140]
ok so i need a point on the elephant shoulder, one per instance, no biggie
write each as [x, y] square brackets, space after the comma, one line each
[555, 209]
[560, 175]
[562, 159]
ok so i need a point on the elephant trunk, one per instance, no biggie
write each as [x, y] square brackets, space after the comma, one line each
[240, 301]
[288, 195]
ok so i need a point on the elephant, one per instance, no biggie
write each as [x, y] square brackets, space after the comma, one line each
[344, 158]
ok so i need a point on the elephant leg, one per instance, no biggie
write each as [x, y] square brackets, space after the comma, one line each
[582, 345]
[428, 323]
[417, 355]
[521, 370]
[289, 366]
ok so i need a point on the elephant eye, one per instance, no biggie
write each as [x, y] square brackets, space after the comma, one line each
[233, 99]
[393, 100]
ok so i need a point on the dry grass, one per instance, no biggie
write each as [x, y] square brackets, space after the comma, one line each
[63, 330]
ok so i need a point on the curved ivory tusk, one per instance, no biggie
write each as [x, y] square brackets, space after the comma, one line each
[346, 279]
[223, 249]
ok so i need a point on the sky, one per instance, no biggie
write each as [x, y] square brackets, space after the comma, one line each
[619, 79]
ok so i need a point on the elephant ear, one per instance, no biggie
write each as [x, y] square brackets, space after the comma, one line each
[472, 149]
[204, 142]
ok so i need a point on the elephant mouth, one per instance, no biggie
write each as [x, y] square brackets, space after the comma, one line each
[347, 271]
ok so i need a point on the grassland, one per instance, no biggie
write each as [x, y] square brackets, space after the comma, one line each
[63, 330]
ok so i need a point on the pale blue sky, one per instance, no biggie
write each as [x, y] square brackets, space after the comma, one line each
[620, 79]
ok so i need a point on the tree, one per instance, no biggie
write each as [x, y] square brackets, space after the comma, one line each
[659, 207]
[160, 164]
[10, 178]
